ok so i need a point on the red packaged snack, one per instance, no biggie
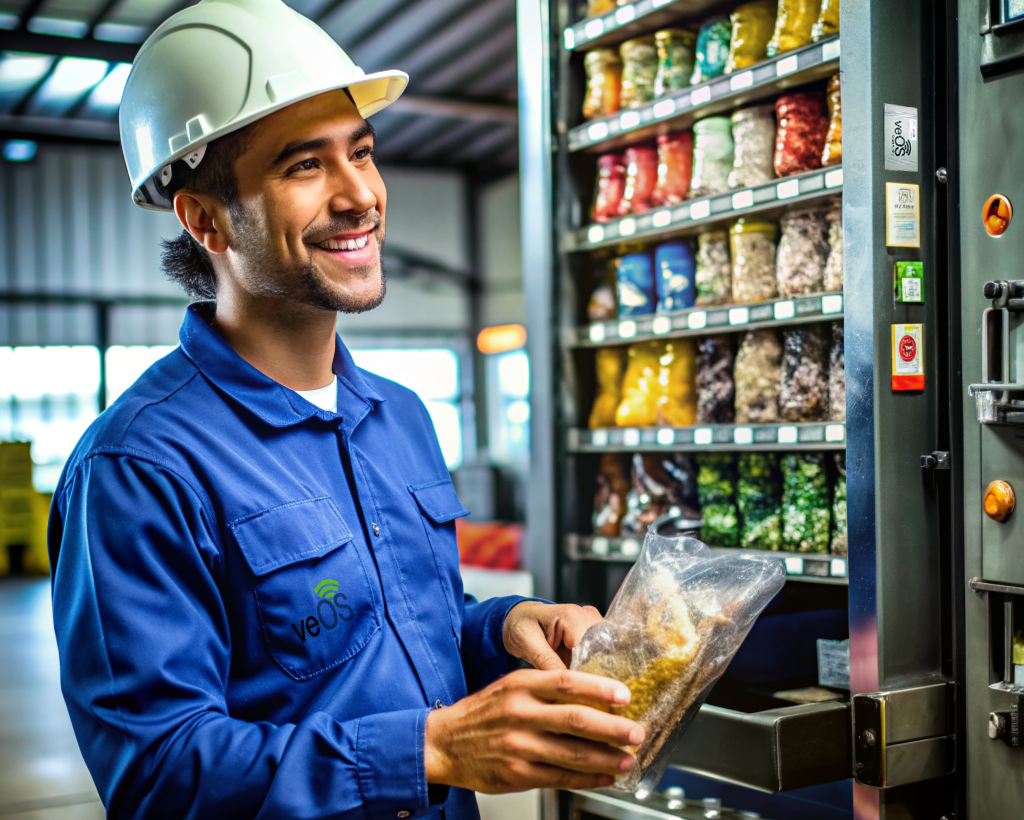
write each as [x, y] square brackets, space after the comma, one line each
[611, 179]
[803, 125]
[675, 165]
[641, 177]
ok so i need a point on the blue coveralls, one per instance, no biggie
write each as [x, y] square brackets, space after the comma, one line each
[257, 601]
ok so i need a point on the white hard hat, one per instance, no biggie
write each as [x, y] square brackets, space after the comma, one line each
[220, 65]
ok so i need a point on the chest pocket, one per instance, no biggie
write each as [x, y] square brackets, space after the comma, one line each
[440, 506]
[313, 596]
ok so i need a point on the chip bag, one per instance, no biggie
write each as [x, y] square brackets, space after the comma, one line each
[669, 634]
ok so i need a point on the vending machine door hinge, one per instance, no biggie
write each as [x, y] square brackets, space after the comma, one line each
[937, 460]
[903, 736]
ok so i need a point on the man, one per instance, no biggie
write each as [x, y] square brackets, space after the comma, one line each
[256, 588]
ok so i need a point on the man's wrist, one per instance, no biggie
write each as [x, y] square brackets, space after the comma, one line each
[435, 760]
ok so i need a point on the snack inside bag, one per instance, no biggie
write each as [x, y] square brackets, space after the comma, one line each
[670, 632]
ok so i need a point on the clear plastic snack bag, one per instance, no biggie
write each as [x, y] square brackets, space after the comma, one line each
[670, 632]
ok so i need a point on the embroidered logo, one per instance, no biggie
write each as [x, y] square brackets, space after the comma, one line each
[328, 593]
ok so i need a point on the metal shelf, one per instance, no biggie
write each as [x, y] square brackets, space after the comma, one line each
[636, 18]
[678, 111]
[822, 307]
[693, 216]
[825, 435]
[800, 566]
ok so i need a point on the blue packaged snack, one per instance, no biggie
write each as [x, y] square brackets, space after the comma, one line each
[637, 291]
[675, 266]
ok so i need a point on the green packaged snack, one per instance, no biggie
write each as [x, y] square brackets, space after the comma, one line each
[839, 544]
[806, 503]
[712, 49]
[716, 491]
[759, 496]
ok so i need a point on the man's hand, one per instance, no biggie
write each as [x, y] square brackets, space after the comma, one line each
[544, 635]
[531, 730]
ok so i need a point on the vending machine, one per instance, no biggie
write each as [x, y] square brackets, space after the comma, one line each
[904, 606]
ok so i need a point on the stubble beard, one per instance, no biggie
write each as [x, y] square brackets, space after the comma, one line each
[304, 283]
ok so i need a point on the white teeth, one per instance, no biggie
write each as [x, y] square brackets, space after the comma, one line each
[346, 244]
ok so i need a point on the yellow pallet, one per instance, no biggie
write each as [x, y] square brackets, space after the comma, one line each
[15, 455]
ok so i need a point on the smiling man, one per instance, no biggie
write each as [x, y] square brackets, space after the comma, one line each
[256, 585]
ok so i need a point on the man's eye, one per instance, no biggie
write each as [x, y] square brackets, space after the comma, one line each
[305, 165]
[363, 153]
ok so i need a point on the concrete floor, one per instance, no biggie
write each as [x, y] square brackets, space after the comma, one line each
[42, 774]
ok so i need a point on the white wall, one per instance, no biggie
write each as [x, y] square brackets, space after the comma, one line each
[67, 225]
[502, 260]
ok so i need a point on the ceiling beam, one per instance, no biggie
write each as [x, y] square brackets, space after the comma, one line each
[87, 47]
[65, 127]
[456, 109]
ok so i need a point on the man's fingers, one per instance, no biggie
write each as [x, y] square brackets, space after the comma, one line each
[544, 776]
[581, 687]
[590, 724]
[578, 755]
[577, 621]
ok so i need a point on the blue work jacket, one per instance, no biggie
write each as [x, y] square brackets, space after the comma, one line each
[257, 601]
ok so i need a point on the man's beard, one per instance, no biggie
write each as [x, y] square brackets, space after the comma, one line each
[304, 283]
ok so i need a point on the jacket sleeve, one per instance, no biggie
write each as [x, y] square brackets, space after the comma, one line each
[484, 658]
[145, 652]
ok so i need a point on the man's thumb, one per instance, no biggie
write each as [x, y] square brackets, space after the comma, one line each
[545, 659]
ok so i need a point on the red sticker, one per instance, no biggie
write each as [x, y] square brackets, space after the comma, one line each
[908, 348]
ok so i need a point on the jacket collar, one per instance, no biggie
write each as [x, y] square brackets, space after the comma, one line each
[270, 401]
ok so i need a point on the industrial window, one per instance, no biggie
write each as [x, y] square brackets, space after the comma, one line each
[508, 400]
[432, 374]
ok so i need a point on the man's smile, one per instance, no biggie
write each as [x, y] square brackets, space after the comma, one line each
[352, 248]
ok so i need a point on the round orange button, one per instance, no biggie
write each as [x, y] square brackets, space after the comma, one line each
[999, 500]
[996, 214]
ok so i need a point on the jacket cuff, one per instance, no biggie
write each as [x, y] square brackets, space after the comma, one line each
[390, 763]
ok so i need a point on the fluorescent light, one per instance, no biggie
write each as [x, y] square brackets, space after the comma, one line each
[22, 70]
[9, 22]
[20, 150]
[120, 33]
[106, 97]
[72, 78]
[58, 26]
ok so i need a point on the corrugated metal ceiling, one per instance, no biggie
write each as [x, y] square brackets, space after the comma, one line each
[62, 70]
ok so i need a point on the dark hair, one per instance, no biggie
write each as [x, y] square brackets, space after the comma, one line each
[184, 260]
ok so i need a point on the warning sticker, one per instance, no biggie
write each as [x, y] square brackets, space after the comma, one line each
[907, 357]
[902, 215]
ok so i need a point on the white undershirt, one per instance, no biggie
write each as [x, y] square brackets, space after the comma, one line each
[326, 398]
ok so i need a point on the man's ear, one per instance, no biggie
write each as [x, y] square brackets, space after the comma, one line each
[202, 217]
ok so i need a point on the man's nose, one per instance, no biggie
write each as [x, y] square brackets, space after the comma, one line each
[351, 192]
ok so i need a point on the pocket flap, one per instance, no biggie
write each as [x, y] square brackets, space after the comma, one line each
[439, 501]
[291, 532]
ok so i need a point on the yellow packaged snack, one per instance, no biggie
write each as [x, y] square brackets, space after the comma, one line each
[833, 153]
[677, 406]
[641, 387]
[752, 25]
[828, 20]
[609, 387]
[793, 25]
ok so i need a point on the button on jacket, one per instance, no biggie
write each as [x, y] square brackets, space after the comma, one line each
[257, 601]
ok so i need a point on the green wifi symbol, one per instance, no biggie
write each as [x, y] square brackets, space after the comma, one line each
[326, 588]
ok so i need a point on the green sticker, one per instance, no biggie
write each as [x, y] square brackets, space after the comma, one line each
[910, 281]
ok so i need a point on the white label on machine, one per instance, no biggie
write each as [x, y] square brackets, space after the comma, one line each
[838, 568]
[788, 189]
[787, 435]
[703, 435]
[599, 546]
[794, 566]
[744, 79]
[701, 95]
[835, 432]
[785, 310]
[697, 320]
[625, 15]
[900, 133]
[597, 333]
[832, 303]
[739, 316]
[742, 199]
[631, 437]
[743, 435]
[631, 119]
[597, 131]
[630, 547]
[666, 437]
[595, 233]
[700, 210]
[834, 178]
[627, 329]
[661, 324]
[787, 65]
[595, 28]
[599, 438]
[627, 227]
[664, 108]
[662, 219]
[902, 215]
[830, 51]
[570, 39]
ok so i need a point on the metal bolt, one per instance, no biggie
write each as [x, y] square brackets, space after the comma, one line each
[868, 738]
[942, 175]
[996, 725]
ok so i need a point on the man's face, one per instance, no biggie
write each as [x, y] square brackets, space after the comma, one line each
[310, 222]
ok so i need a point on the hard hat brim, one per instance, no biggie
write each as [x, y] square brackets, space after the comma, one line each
[371, 93]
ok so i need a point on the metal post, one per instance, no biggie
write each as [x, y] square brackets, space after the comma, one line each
[103, 343]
